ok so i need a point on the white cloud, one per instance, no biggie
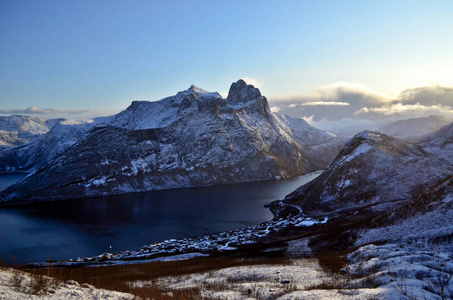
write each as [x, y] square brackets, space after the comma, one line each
[276, 109]
[406, 109]
[52, 113]
[336, 89]
[224, 94]
[348, 107]
[324, 103]
[42, 111]
[253, 81]
[309, 119]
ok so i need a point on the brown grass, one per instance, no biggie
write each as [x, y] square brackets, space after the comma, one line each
[118, 278]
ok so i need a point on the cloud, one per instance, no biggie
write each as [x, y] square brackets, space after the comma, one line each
[341, 90]
[57, 112]
[324, 103]
[42, 111]
[349, 107]
[431, 95]
[401, 109]
[333, 102]
[253, 81]
[276, 109]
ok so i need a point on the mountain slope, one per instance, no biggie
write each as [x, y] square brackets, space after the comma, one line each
[191, 139]
[17, 129]
[41, 150]
[374, 172]
[319, 145]
[415, 130]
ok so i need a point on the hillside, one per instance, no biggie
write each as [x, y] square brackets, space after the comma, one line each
[415, 130]
[375, 171]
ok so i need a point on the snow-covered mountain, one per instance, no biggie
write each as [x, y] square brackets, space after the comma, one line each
[415, 130]
[17, 129]
[43, 149]
[374, 172]
[194, 138]
[389, 206]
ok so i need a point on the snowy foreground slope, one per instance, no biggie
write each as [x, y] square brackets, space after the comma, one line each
[18, 285]
[194, 138]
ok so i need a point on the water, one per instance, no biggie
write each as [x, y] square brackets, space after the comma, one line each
[69, 229]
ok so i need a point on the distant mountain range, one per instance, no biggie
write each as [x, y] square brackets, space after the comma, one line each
[194, 138]
[415, 130]
[17, 129]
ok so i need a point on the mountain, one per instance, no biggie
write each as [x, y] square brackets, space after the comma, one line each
[43, 149]
[319, 145]
[17, 129]
[194, 138]
[415, 130]
[373, 173]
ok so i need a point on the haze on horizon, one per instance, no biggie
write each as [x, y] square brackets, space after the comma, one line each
[342, 65]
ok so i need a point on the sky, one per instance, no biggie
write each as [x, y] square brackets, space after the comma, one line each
[342, 65]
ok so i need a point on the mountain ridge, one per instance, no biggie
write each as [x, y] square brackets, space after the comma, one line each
[376, 171]
[415, 129]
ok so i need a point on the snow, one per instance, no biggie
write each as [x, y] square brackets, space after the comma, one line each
[148, 115]
[56, 290]
[138, 164]
[361, 149]
[201, 93]
[277, 281]
[415, 267]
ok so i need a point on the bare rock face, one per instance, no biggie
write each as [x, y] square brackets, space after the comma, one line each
[241, 93]
[195, 138]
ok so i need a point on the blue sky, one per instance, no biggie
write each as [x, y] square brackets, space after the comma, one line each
[101, 55]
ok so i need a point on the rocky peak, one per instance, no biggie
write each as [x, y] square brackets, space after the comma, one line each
[200, 93]
[197, 90]
[241, 92]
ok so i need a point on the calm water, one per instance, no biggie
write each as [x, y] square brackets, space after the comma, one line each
[68, 229]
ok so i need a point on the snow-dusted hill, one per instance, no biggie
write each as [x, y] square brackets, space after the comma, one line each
[415, 130]
[375, 171]
[17, 129]
[194, 138]
[41, 150]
